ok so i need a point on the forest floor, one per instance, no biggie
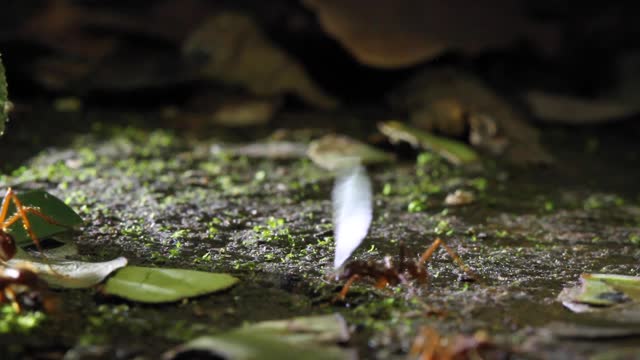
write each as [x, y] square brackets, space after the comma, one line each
[164, 197]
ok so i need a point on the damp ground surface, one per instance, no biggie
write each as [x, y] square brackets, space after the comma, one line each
[164, 197]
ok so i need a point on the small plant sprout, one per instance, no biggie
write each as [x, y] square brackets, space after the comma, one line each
[389, 273]
[352, 211]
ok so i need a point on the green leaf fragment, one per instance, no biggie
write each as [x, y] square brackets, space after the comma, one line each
[601, 290]
[453, 151]
[49, 205]
[4, 98]
[627, 285]
[155, 285]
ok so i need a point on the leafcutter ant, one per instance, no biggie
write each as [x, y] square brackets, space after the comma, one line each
[20, 286]
[388, 272]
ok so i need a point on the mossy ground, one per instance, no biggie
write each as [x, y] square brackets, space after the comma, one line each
[161, 198]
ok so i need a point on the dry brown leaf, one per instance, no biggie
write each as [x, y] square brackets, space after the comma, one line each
[450, 101]
[239, 54]
[399, 33]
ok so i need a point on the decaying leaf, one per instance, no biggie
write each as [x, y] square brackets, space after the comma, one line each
[601, 290]
[245, 112]
[331, 151]
[313, 337]
[449, 101]
[574, 110]
[352, 211]
[453, 151]
[399, 33]
[5, 105]
[59, 272]
[265, 149]
[156, 285]
[237, 53]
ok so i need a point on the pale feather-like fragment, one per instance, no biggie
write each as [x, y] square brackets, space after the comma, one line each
[352, 211]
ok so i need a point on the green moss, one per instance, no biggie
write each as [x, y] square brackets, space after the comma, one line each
[22, 323]
[417, 205]
[274, 231]
[443, 228]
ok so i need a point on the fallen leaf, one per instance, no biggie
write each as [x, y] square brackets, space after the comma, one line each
[49, 205]
[267, 149]
[333, 152]
[601, 290]
[64, 273]
[239, 54]
[156, 285]
[573, 110]
[311, 337]
[352, 211]
[454, 102]
[453, 151]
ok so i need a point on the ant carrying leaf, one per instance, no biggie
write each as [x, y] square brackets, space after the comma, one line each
[389, 273]
[31, 210]
[20, 285]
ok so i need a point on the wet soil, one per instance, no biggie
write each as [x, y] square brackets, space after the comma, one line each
[161, 197]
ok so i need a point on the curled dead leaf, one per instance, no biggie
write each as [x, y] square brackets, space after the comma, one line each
[238, 53]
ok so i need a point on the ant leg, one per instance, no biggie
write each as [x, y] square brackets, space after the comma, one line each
[5, 207]
[10, 295]
[347, 286]
[21, 213]
[456, 258]
[434, 246]
[427, 254]
[40, 214]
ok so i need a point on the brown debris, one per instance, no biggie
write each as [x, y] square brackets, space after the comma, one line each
[239, 54]
[391, 34]
[448, 101]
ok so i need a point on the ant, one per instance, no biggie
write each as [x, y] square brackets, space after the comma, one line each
[8, 247]
[19, 283]
[23, 288]
[389, 273]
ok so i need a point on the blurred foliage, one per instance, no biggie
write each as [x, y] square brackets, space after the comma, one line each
[4, 101]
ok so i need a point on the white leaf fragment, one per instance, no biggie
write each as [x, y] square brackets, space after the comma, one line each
[68, 273]
[352, 211]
